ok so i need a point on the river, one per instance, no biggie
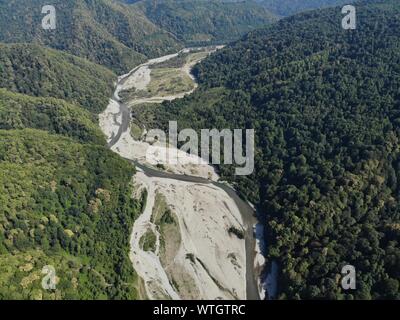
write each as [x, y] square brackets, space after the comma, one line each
[248, 214]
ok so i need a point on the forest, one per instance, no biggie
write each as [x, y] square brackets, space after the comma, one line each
[37, 71]
[324, 103]
[64, 204]
[105, 32]
[120, 34]
[65, 198]
[290, 7]
[18, 111]
[202, 22]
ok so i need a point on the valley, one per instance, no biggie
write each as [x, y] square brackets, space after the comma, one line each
[89, 188]
[181, 245]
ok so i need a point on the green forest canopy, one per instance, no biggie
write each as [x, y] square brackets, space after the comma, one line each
[205, 21]
[325, 106]
[43, 72]
[65, 204]
[105, 32]
[65, 199]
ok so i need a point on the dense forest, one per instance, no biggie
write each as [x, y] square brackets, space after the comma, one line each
[289, 7]
[120, 36]
[205, 21]
[43, 72]
[18, 111]
[324, 102]
[103, 31]
[65, 198]
[65, 201]
[65, 204]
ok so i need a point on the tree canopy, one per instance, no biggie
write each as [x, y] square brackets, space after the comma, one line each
[325, 106]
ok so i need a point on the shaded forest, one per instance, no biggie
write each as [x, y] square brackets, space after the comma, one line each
[325, 106]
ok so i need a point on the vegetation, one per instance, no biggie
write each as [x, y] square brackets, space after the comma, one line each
[205, 21]
[65, 204]
[148, 241]
[167, 218]
[164, 82]
[41, 72]
[56, 116]
[168, 81]
[289, 7]
[324, 104]
[177, 62]
[102, 31]
[323, 101]
[160, 208]
[136, 131]
[65, 199]
[143, 114]
[170, 242]
[238, 233]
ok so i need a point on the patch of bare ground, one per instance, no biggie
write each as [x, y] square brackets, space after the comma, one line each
[170, 242]
[141, 289]
[156, 292]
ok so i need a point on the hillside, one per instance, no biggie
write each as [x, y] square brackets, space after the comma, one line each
[103, 31]
[290, 7]
[65, 199]
[18, 111]
[324, 104]
[205, 21]
[37, 71]
[68, 205]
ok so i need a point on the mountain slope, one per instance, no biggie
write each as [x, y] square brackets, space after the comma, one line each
[324, 103]
[18, 111]
[38, 71]
[67, 205]
[289, 7]
[102, 31]
[65, 200]
[205, 21]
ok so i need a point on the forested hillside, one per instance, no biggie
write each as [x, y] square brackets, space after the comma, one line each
[65, 199]
[68, 205]
[42, 72]
[325, 105]
[205, 21]
[103, 31]
[64, 202]
[289, 7]
[18, 111]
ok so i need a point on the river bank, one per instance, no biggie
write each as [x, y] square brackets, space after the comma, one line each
[208, 256]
